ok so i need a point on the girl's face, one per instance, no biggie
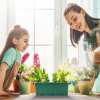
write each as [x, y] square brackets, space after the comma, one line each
[22, 43]
[76, 20]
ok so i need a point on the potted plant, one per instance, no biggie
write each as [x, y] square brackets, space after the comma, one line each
[35, 75]
[60, 76]
[86, 81]
[16, 81]
[29, 76]
[58, 86]
[24, 82]
[72, 77]
[39, 76]
[22, 68]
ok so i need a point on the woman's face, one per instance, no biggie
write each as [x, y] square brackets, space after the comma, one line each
[76, 20]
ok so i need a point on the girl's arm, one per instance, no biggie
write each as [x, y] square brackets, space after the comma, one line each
[3, 69]
[10, 76]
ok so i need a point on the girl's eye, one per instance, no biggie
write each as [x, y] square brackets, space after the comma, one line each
[74, 19]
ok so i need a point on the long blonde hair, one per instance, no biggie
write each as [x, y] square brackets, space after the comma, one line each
[17, 33]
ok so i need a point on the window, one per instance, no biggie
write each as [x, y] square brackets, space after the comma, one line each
[37, 16]
[3, 23]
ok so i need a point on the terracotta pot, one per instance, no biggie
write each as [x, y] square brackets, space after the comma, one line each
[85, 86]
[16, 85]
[32, 87]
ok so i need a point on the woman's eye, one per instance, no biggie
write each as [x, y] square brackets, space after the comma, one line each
[70, 24]
[25, 41]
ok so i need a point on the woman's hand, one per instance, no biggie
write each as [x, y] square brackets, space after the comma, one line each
[91, 57]
[94, 56]
[97, 56]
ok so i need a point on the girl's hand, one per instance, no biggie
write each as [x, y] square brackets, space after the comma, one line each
[3, 93]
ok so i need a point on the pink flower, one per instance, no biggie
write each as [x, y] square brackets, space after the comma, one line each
[24, 58]
[25, 74]
[36, 60]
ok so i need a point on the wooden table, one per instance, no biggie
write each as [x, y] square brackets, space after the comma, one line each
[69, 97]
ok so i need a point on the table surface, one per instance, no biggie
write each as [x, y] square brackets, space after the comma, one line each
[69, 97]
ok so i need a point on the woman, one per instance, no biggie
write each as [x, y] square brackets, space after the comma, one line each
[82, 23]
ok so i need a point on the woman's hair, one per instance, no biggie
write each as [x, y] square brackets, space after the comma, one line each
[91, 22]
[17, 33]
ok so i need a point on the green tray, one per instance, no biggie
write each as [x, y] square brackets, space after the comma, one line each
[51, 89]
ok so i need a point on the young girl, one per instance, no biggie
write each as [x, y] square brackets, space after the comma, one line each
[82, 23]
[17, 42]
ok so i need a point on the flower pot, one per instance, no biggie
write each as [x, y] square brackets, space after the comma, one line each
[16, 85]
[51, 89]
[73, 88]
[85, 86]
[32, 87]
[25, 86]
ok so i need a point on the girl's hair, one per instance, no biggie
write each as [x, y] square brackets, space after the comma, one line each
[91, 22]
[17, 33]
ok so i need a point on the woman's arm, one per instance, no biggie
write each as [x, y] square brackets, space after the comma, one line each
[98, 38]
[10, 76]
[94, 55]
[97, 50]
